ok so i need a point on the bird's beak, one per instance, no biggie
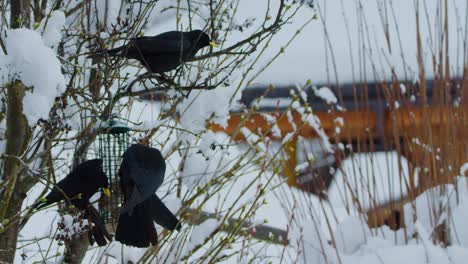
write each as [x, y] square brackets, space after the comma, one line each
[213, 44]
[106, 192]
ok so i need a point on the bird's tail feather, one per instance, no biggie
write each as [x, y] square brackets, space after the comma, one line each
[99, 231]
[108, 52]
[112, 52]
[162, 215]
[137, 229]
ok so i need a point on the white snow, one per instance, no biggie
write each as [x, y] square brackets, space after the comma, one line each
[373, 178]
[204, 163]
[402, 88]
[464, 169]
[201, 105]
[202, 232]
[326, 94]
[351, 234]
[312, 245]
[28, 59]
[340, 121]
[281, 102]
[51, 28]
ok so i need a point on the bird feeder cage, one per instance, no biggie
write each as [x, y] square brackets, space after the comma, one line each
[111, 144]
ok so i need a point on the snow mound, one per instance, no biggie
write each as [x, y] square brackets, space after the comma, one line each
[31, 61]
[51, 29]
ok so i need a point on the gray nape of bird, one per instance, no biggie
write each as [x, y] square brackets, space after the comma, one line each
[163, 52]
[141, 173]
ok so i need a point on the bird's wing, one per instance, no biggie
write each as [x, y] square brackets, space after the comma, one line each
[53, 197]
[145, 167]
[58, 192]
[78, 186]
[162, 215]
[161, 44]
[144, 182]
[141, 173]
[148, 180]
[133, 199]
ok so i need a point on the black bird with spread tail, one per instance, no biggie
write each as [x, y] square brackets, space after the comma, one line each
[77, 188]
[163, 52]
[141, 173]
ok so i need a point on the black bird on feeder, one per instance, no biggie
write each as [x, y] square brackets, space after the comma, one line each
[163, 52]
[141, 173]
[77, 188]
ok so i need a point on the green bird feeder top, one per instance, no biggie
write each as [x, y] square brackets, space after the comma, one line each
[116, 127]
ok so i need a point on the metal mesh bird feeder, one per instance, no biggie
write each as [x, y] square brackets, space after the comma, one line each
[111, 144]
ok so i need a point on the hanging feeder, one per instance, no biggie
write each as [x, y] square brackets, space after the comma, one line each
[111, 144]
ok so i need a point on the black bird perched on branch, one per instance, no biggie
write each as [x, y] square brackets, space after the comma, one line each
[77, 188]
[141, 173]
[163, 52]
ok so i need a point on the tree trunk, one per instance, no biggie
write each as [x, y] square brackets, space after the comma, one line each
[17, 134]
[20, 13]
[76, 249]
[8, 238]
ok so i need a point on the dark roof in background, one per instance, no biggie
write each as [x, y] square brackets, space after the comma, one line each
[368, 96]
